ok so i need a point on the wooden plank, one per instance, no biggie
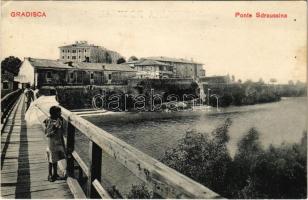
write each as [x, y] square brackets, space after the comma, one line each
[25, 169]
[41, 187]
[101, 191]
[81, 163]
[75, 188]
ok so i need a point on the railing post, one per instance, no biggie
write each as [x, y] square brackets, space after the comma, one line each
[95, 167]
[70, 143]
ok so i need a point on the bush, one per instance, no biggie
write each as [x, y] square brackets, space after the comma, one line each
[140, 192]
[280, 172]
[203, 157]
[254, 172]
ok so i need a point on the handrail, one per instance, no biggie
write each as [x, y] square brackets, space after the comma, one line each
[7, 103]
[166, 182]
[9, 94]
[102, 192]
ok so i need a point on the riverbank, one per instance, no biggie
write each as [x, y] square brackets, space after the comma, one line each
[277, 122]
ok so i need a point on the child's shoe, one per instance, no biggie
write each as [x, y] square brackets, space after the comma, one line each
[57, 177]
[50, 178]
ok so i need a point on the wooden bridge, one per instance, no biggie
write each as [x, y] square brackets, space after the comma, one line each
[24, 168]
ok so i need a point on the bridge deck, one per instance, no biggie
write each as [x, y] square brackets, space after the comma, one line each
[24, 168]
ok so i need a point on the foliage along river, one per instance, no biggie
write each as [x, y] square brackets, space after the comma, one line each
[153, 133]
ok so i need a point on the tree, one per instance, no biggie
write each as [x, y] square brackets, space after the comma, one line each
[121, 60]
[11, 64]
[132, 58]
[203, 158]
[291, 82]
[261, 81]
[273, 80]
[108, 58]
[233, 78]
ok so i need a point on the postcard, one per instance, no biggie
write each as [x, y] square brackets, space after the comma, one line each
[153, 99]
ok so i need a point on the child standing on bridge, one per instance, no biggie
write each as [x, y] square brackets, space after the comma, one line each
[55, 149]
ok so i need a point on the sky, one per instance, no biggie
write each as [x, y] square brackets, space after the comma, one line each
[207, 32]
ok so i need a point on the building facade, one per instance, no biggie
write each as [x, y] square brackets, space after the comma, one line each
[182, 68]
[81, 51]
[7, 82]
[152, 69]
[44, 72]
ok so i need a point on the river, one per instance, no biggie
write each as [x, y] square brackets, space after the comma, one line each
[153, 133]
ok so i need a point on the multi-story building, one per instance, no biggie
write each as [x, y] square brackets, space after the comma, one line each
[182, 68]
[152, 69]
[83, 52]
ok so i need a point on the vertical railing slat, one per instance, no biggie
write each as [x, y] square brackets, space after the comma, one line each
[70, 143]
[95, 167]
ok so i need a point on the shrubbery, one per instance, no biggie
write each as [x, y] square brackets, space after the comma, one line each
[140, 192]
[254, 172]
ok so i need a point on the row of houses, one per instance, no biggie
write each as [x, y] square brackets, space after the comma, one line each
[149, 67]
[84, 64]
[44, 72]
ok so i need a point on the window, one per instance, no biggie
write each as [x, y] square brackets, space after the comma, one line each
[72, 75]
[109, 76]
[78, 56]
[79, 50]
[62, 57]
[68, 51]
[73, 57]
[48, 75]
[79, 77]
[74, 51]
[5, 85]
[85, 50]
[92, 75]
[68, 57]
[63, 50]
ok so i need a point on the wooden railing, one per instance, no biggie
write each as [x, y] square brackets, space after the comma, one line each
[163, 180]
[7, 103]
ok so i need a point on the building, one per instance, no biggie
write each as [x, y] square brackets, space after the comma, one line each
[83, 52]
[45, 72]
[182, 68]
[7, 82]
[152, 69]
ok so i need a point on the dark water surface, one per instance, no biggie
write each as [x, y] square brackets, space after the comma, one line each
[153, 133]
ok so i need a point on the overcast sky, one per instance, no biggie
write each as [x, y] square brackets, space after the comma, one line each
[208, 32]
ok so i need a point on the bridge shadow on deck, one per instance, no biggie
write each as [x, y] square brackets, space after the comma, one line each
[23, 174]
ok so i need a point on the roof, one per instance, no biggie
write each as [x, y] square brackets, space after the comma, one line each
[103, 66]
[46, 63]
[151, 63]
[79, 44]
[168, 59]
[59, 64]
